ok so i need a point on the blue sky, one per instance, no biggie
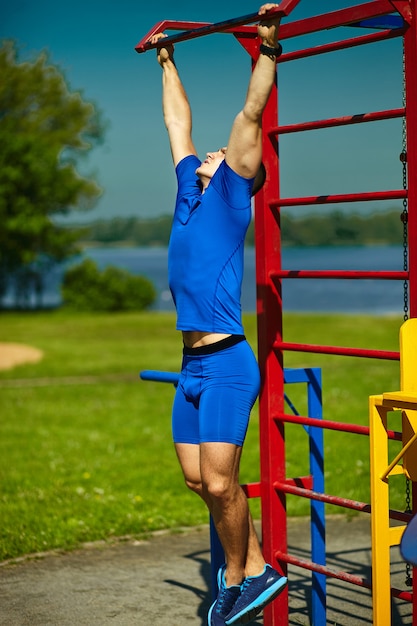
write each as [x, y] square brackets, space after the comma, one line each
[93, 43]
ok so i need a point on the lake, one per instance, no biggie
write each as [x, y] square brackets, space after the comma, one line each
[314, 295]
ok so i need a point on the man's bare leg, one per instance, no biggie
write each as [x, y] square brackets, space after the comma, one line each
[212, 471]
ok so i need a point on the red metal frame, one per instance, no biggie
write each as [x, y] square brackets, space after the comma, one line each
[192, 30]
[269, 272]
[272, 348]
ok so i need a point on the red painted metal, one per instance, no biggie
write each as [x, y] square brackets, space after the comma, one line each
[271, 399]
[340, 45]
[289, 487]
[349, 274]
[342, 17]
[339, 350]
[192, 30]
[323, 497]
[410, 54]
[404, 8]
[355, 429]
[252, 490]
[322, 423]
[350, 578]
[270, 273]
[360, 118]
[306, 482]
[322, 569]
[339, 198]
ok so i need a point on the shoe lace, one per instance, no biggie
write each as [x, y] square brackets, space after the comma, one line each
[225, 601]
[245, 584]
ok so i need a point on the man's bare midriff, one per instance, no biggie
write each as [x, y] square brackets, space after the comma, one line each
[196, 339]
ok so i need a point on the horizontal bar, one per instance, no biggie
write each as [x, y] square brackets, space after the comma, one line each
[388, 21]
[300, 374]
[252, 490]
[339, 350]
[323, 569]
[331, 425]
[160, 377]
[344, 274]
[200, 30]
[322, 497]
[322, 423]
[338, 45]
[345, 576]
[289, 487]
[338, 198]
[359, 118]
[341, 17]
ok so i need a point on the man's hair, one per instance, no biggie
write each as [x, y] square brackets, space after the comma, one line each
[259, 179]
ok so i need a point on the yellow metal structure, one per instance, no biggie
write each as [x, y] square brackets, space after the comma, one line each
[382, 468]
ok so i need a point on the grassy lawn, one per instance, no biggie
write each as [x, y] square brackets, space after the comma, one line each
[85, 446]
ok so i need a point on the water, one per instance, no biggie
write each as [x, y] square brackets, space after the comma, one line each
[314, 295]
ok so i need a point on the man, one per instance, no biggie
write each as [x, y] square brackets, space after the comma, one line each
[219, 380]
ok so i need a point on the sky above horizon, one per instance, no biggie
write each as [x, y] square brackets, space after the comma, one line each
[93, 44]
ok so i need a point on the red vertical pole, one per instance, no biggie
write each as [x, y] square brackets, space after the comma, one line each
[410, 54]
[271, 402]
[410, 50]
[269, 315]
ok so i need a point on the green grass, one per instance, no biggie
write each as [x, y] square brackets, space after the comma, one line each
[85, 446]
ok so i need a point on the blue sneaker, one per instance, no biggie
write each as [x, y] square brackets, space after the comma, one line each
[255, 593]
[226, 598]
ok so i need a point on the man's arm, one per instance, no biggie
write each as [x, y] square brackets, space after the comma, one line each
[175, 106]
[244, 150]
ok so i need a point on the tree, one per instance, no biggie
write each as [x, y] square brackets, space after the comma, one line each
[86, 288]
[45, 128]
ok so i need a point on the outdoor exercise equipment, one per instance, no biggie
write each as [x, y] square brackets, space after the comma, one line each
[380, 20]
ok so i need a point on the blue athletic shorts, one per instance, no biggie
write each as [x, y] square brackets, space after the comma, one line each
[217, 388]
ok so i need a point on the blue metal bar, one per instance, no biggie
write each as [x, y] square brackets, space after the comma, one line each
[217, 558]
[317, 508]
[382, 22]
[160, 377]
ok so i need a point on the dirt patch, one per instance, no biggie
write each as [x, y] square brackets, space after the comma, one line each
[13, 354]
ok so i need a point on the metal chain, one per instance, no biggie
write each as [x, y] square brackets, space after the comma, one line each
[404, 214]
[408, 577]
[404, 219]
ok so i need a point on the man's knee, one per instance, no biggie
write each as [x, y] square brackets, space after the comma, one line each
[220, 488]
[194, 486]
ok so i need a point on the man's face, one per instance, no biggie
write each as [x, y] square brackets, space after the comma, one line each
[211, 163]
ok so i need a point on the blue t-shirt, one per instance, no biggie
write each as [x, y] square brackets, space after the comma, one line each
[205, 254]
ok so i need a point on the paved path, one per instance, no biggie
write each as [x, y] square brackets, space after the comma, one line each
[165, 582]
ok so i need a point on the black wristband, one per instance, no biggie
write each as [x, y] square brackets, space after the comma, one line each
[269, 51]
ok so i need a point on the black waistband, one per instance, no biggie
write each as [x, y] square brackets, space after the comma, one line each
[211, 348]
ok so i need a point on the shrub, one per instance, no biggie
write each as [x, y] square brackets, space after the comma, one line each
[86, 288]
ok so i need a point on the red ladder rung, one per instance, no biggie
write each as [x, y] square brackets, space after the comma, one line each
[360, 118]
[344, 576]
[339, 198]
[341, 17]
[355, 429]
[353, 42]
[338, 350]
[345, 274]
